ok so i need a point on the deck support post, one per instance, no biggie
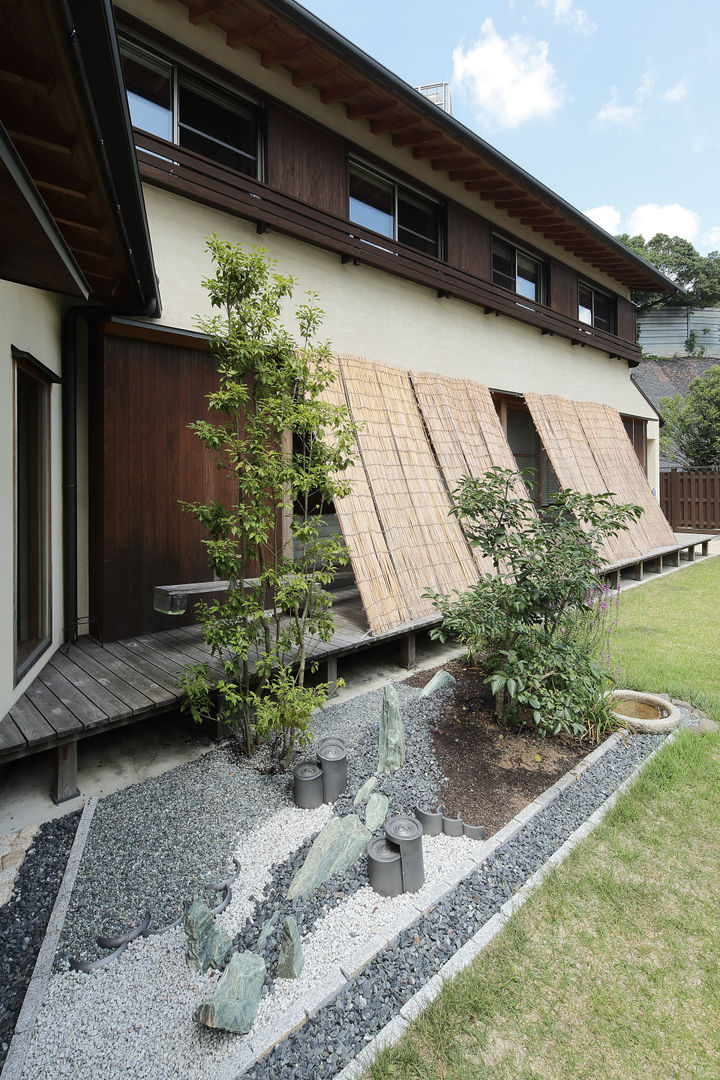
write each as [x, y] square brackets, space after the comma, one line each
[638, 571]
[64, 784]
[673, 558]
[407, 651]
[331, 675]
[704, 549]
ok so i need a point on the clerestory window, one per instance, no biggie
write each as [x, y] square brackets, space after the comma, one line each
[597, 308]
[174, 105]
[517, 270]
[389, 208]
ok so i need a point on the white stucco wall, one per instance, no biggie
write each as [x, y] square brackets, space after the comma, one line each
[30, 320]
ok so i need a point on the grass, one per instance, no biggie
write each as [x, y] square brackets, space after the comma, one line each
[612, 972]
[668, 636]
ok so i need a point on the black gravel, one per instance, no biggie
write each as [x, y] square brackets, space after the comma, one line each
[339, 1032]
[24, 919]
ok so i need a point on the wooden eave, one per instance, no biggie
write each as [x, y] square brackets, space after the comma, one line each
[50, 121]
[287, 35]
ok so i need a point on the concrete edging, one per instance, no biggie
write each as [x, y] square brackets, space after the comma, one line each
[37, 987]
[395, 1029]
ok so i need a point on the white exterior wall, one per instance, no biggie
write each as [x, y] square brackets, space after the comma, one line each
[31, 321]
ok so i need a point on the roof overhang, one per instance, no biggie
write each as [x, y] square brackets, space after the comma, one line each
[287, 35]
[70, 198]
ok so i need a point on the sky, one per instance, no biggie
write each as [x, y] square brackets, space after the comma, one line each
[614, 105]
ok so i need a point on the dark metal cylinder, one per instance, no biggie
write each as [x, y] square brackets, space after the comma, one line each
[431, 820]
[384, 867]
[407, 832]
[453, 826]
[332, 756]
[474, 832]
[308, 785]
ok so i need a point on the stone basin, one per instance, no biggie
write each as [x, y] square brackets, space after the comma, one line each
[647, 713]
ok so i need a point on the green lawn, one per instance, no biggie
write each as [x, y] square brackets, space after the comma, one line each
[668, 636]
[612, 970]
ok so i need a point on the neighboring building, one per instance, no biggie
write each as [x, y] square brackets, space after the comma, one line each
[439, 94]
[679, 331]
[429, 250]
[659, 377]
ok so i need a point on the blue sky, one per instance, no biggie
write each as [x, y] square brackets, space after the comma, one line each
[613, 105]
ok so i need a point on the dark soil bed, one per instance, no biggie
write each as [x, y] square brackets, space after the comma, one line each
[491, 770]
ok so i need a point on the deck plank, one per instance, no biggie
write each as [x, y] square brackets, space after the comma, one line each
[139, 647]
[126, 691]
[86, 712]
[144, 677]
[31, 723]
[110, 705]
[184, 653]
[60, 718]
[11, 738]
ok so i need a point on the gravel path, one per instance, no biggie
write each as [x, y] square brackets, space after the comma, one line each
[163, 841]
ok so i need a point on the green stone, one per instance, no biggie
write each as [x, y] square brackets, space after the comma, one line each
[291, 959]
[365, 791]
[234, 1004]
[376, 811]
[439, 681]
[339, 844]
[207, 944]
[391, 743]
[267, 930]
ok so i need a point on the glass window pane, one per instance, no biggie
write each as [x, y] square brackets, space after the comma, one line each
[604, 312]
[503, 264]
[31, 518]
[149, 90]
[528, 276]
[371, 202]
[521, 434]
[418, 222]
[218, 131]
[585, 300]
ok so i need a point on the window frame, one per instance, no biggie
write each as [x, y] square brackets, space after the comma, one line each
[32, 553]
[546, 483]
[594, 292]
[518, 249]
[215, 91]
[399, 187]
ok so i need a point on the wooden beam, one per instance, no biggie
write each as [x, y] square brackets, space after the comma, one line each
[83, 224]
[488, 185]
[30, 138]
[279, 56]
[435, 149]
[61, 189]
[507, 202]
[203, 9]
[408, 139]
[40, 78]
[311, 75]
[242, 37]
[453, 161]
[330, 96]
[389, 126]
[476, 172]
[367, 112]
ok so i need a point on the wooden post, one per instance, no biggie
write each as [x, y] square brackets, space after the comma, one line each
[64, 785]
[673, 558]
[638, 571]
[407, 650]
[331, 675]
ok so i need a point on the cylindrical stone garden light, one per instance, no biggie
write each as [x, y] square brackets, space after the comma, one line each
[332, 756]
[384, 867]
[407, 832]
[308, 785]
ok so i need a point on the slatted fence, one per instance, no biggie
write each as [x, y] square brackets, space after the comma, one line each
[691, 499]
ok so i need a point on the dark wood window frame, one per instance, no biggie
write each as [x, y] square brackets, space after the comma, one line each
[511, 278]
[636, 428]
[33, 382]
[402, 194]
[595, 299]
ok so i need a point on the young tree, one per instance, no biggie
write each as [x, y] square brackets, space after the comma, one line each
[533, 622]
[284, 450]
[690, 434]
[698, 275]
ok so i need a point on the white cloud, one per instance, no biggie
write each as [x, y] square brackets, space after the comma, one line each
[566, 12]
[712, 238]
[627, 115]
[510, 79]
[607, 217]
[678, 92]
[673, 219]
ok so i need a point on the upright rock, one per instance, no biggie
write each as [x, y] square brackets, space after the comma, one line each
[333, 850]
[207, 944]
[391, 748]
[440, 681]
[376, 811]
[234, 1004]
[291, 960]
[365, 791]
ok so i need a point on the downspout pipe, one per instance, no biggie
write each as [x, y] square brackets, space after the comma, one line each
[69, 450]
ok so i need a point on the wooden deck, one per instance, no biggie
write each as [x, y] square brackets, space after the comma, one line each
[87, 687]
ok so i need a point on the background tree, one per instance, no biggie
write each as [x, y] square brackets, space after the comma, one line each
[284, 450]
[690, 435]
[676, 257]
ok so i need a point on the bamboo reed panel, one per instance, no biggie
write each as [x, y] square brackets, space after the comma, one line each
[465, 431]
[590, 451]
[375, 574]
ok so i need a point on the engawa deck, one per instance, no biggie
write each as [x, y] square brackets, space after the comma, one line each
[86, 688]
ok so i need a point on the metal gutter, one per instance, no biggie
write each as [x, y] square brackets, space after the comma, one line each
[385, 78]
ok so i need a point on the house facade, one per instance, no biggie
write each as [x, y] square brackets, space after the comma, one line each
[430, 252]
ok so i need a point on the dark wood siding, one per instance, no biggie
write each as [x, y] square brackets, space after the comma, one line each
[468, 242]
[305, 161]
[563, 289]
[637, 434]
[143, 459]
[626, 320]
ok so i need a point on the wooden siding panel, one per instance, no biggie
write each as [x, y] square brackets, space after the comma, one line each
[150, 460]
[563, 289]
[468, 242]
[626, 320]
[306, 162]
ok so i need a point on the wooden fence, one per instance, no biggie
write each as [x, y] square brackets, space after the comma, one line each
[691, 500]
